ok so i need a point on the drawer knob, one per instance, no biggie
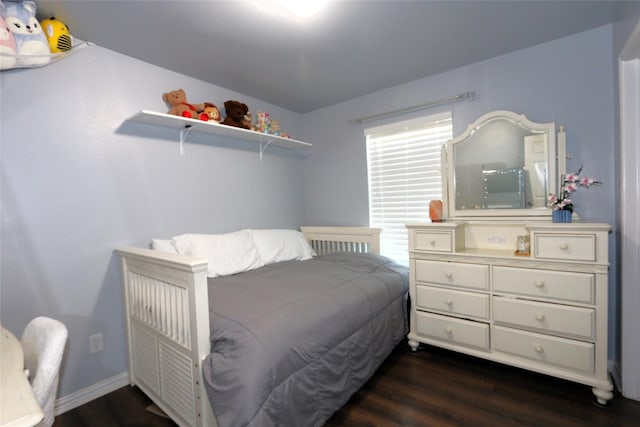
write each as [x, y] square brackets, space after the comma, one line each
[564, 246]
[448, 275]
[448, 330]
[449, 301]
[539, 317]
[432, 242]
[538, 349]
[538, 284]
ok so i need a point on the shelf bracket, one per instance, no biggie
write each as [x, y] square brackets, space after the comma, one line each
[263, 147]
[183, 135]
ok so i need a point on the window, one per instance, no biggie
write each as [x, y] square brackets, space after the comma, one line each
[403, 161]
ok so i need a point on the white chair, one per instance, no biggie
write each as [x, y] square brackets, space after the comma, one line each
[43, 342]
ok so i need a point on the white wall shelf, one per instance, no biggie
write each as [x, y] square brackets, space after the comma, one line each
[186, 125]
[13, 62]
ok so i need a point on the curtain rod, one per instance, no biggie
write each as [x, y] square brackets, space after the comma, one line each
[459, 97]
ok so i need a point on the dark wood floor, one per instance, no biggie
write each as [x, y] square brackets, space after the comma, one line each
[432, 387]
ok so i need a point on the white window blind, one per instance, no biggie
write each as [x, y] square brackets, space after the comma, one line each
[403, 161]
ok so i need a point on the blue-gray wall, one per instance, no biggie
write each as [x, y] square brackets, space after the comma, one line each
[568, 81]
[78, 180]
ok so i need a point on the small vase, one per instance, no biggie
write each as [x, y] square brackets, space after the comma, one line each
[561, 216]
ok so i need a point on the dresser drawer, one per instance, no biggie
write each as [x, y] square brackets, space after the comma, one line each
[570, 247]
[452, 330]
[545, 317]
[448, 301]
[565, 286]
[433, 241]
[574, 355]
[472, 276]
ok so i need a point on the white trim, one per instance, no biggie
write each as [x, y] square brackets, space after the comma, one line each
[80, 397]
[629, 76]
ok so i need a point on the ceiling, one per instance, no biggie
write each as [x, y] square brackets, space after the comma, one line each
[349, 49]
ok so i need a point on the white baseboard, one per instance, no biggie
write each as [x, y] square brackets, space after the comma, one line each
[80, 397]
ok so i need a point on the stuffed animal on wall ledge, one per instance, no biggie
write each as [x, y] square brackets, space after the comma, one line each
[58, 35]
[177, 99]
[235, 114]
[263, 122]
[247, 121]
[212, 112]
[7, 47]
[276, 128]
[20, 18]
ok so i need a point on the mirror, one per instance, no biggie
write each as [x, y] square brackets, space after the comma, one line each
[502, 165]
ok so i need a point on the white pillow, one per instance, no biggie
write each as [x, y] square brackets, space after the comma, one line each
[164, 246]
[281, 245]
[229, 253]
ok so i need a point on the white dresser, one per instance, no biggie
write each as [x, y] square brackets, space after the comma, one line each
[545, 311]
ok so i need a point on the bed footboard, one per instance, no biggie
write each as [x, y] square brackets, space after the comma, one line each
[167, 316]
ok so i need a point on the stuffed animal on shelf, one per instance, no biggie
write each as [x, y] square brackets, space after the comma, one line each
[212, 112]
[235, 112]
[247, 120]
[57, 34]
[30, 39]
[275, 128]
[263, 122]
[7, 47]
[177, 99]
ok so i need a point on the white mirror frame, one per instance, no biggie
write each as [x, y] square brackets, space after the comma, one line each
[556, 167]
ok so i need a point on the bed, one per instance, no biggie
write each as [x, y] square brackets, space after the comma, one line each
[285, 343]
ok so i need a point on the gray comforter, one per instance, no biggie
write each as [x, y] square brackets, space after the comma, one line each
[292, 341]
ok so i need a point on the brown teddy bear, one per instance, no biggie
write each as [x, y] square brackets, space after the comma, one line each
[236, 112]
[177, 99]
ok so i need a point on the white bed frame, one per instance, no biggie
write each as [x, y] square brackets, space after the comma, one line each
[167, 317]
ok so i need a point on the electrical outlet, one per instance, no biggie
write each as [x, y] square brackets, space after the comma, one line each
[96, 343]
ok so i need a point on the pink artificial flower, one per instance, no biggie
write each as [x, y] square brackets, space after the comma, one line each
[570, 183]
[564, 203]
[571, 177]
[586, 182]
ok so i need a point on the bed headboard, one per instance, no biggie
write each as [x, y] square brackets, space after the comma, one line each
[325, 240]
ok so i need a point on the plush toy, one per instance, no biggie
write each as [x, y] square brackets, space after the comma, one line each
[247, 121]
[235, 114]
[275, 128]
[177, 99]
[30, 40]
[58, 36]
[263, 122]
[7, 47]
[212, 112]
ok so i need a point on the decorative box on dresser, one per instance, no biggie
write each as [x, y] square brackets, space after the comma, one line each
[545, 310]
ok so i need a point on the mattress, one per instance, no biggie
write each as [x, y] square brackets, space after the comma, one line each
[292, 341]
